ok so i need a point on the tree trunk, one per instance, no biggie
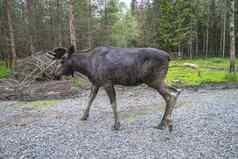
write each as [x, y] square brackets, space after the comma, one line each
[89, 24]
[191, 49]
[11, 34]
[141, 19]
[197, 46]
[72, 30]
[191, 41]
[179, 50]
[59, 31]
[224, 31]
[221, 41]
[236, 26]
[29, 23]
[204, 44]
[207, 38]
[232, 37]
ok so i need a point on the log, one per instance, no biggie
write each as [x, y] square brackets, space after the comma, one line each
[38, 91]
[191, 65]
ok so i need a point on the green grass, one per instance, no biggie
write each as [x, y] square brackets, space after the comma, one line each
[4, 71]
[212, 70]
[77, 82]
[40, 104]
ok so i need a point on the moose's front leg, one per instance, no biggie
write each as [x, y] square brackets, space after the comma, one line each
[112, 96]
[93, 93]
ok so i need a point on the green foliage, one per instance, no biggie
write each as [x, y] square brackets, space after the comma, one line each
[124, 31]
[111, 13]
[77, 82]
[213, 70]
[4, 72]
[170, 25]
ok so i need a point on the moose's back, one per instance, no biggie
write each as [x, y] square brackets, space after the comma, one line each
[128, 66]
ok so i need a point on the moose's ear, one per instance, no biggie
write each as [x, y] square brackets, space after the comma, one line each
[57, 53]
[71, 50]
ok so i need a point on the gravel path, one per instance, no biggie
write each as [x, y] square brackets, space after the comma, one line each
[205, 126]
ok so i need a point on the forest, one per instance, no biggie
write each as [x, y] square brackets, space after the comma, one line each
[63, 96]
[184, 28]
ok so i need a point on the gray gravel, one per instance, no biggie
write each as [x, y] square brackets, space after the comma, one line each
[205, 126]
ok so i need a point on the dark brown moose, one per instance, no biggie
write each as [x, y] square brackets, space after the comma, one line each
[108, 66]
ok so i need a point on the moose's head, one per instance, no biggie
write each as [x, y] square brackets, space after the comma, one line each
[66, 62]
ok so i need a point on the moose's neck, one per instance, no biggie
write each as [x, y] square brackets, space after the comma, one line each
[82, 64]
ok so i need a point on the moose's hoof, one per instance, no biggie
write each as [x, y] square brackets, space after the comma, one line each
[85, 117]
[178, 93]
[161, 126]
[116, 126]
[170, 128]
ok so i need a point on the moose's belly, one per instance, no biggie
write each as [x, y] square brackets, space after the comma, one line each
[127, 77]
[127, 81]
[127, 73]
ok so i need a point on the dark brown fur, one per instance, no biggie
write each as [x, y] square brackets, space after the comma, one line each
[107, 66]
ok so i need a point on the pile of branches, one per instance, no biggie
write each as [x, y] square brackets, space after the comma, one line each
[33, 80]
[38, 66]
[14, 90]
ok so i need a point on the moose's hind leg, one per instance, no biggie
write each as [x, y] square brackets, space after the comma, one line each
[170, 100]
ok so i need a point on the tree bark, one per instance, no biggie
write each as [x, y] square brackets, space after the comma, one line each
[224, 31]
[236, 26]
[30, 25]
[72, 30]
[89, 24]
[197, 45]
[59, 28]
[11, 34]
[141, 19]
[207, 38]
[232, 37]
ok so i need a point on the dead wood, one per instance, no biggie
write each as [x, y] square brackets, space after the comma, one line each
[25, 85]
[13, 90]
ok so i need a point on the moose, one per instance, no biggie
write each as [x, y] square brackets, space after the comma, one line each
[106, 66]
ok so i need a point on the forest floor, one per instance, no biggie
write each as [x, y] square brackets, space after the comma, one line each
[205, 126]
[210, 70]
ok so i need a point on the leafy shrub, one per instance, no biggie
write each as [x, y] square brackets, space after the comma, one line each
[4, 72]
